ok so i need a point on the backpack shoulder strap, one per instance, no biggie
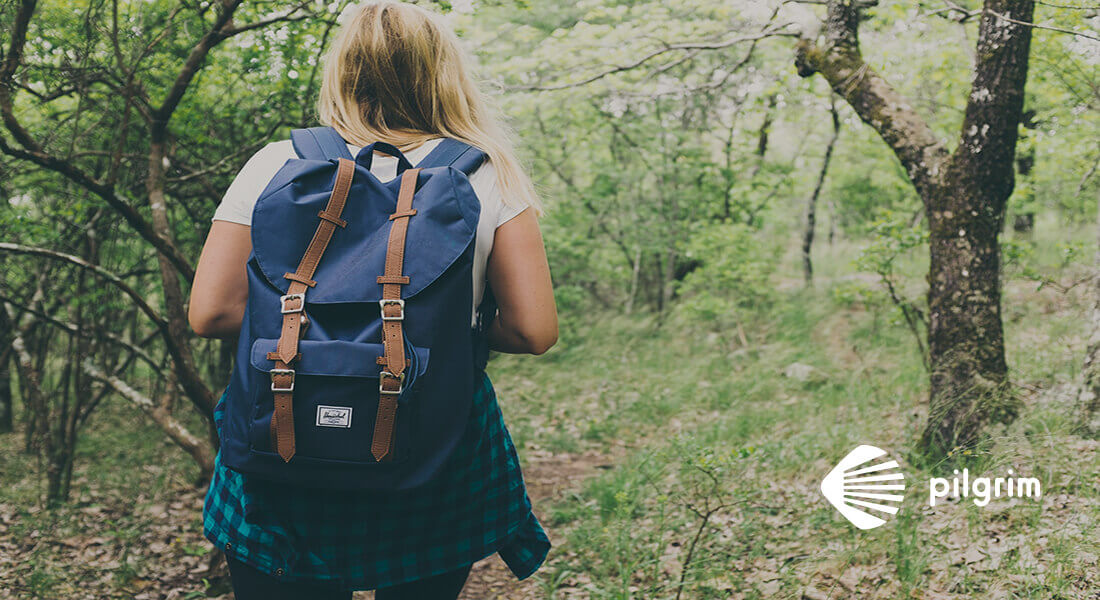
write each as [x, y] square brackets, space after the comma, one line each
[319, 143]
[451, 152]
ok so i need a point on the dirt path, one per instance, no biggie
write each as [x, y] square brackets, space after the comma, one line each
[82, 566]
[548, 478]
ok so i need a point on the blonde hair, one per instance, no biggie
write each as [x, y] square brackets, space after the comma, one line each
[396, 73]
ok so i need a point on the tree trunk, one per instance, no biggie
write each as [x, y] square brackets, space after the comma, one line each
[969, 379]
[7, 399]
[810, 219]
[30, 388]
[964, 195]
[190, 379]
[1089, 399]
[970, 385]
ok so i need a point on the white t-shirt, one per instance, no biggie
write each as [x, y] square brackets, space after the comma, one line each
[236, 206]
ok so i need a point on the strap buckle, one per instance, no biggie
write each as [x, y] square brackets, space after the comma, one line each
[301, 298]
[400, 382]
[274, 372]
[396, 302]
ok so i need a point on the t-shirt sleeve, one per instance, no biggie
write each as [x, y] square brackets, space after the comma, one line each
[238, 201]
[484, 182]
[510, 211]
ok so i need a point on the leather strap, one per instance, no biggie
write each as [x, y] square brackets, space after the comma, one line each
[293, 306]
[392, 378]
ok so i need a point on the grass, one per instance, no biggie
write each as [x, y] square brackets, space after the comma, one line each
[629, 530]
[716, 449]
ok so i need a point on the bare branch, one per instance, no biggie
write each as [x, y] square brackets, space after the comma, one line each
[198, 448]
[14, 56]
[288, 17]
[1032, 25]
[72, 329]
[107, 193]
[190, 379]
[110, 277]
[775, 31]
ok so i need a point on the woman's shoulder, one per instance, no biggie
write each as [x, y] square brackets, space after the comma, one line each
[494, 206]
[240, 197]
[277, 150]
[267, 160]
[484, 182]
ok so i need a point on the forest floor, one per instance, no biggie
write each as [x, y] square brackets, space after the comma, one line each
[676, 460]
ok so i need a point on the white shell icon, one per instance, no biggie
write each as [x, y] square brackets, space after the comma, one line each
[850, 485]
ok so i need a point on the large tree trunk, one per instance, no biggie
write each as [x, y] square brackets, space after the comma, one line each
[964, 195]
[1090, 387]
[969, 378]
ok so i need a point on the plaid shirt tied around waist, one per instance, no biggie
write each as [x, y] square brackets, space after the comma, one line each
[362, 539]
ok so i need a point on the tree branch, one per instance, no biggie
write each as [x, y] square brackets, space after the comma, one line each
[189, 378]
[288, 17]
[110, 277]
[775, 31]
[218, 32]
[877, 103]
[193, 445]
[31, 151]
[73, 329]
[35, 155]
[969, 14]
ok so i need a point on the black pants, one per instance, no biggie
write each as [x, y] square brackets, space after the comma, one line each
[252, 584]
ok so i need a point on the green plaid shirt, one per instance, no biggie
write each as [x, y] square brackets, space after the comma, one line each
[478, 505]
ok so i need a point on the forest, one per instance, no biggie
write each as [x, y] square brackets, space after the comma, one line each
[778, 229]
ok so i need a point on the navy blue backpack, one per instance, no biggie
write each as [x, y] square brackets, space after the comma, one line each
[357, 357]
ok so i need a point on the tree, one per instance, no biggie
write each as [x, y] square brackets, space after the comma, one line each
[633, 115]
[810, 218]
[124, 139]
[1089, 394]
[964, 193]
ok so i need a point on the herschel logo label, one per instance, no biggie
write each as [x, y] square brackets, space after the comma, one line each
[856, 484]
[334, 416]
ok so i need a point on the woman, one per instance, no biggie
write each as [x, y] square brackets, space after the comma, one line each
[396, 74]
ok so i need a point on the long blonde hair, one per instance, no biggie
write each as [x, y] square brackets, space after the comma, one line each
[396, 73]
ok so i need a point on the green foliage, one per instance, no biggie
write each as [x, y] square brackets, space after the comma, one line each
[674, 189]
[733, 279]
[864, 196]
[893, 237]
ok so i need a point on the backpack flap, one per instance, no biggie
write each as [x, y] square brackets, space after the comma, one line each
[284, 220]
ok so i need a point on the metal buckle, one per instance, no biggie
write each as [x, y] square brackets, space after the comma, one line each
[397, 301]
[274, 372]
[400, 382]
[299, 297]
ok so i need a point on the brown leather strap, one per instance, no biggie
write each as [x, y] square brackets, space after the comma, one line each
[335, 219]
[299, 279]
[402, 280]
[293, 306]
[392, 307]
